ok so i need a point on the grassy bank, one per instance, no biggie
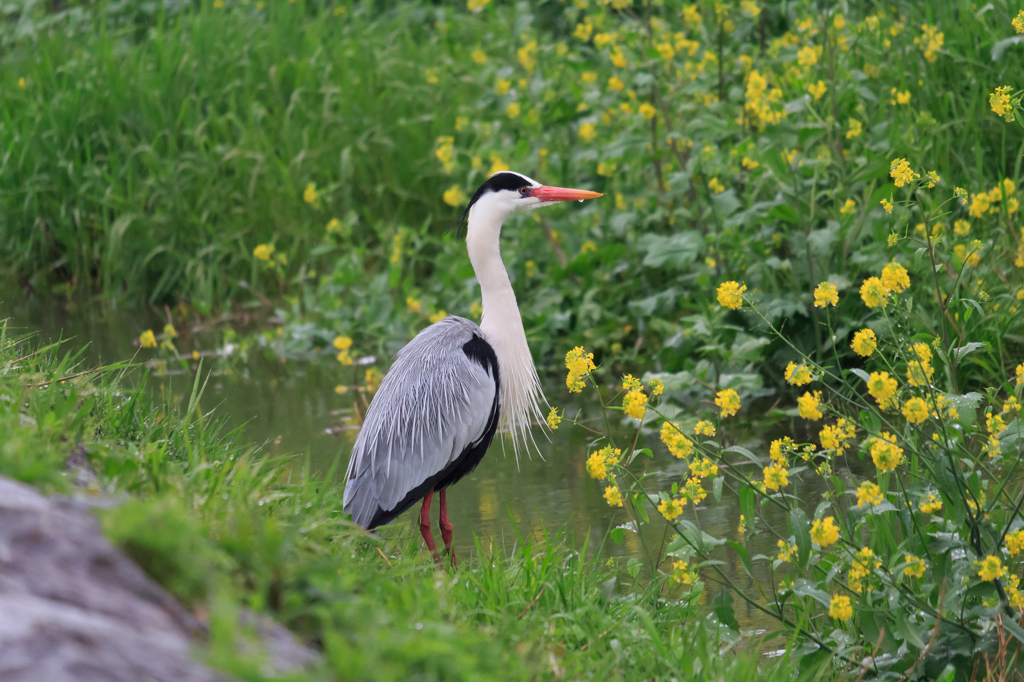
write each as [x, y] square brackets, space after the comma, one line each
[222, 527]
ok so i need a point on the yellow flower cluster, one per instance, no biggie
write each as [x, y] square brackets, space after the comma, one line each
[775, 477]
[902, 173]
[873, 292]
[869, 494]
[579, 363]
[670, 509]
[342, 344]
[798, 375]
[915, 567]
[678, 445]
[600, 460]
[825, 532]
[864, 343]
[787, 551]
[730, 295]
[613, 496]
[837, 438]
[895, 278]
[1015, 542]
[554, 419]
[704, 428]
[1018, 22]
[919, 368]
[933, 504]
[990, 568]
[930, 41]
[704, 468]
[729, 402]
[882, 388]
[682, 574]
[147, 339]
[263, 251]
[863, 563]
[826, 294]
[999, 100]
[916, 410]
[445, 152]
[840, 608]
[759, 101]
[810, 405]
[884, 452]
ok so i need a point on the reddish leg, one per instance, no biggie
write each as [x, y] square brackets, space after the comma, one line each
[425, 525]
[446, 527]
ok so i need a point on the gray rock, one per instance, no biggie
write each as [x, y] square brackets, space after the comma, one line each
[74, 608]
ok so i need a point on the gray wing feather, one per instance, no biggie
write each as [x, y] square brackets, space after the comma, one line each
[433, 403]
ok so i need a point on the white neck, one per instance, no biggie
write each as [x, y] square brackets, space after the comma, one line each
[502, 326]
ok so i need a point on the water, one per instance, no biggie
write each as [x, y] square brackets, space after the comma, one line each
[293, 408]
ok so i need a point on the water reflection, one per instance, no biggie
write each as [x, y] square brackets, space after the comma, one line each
[293, 408]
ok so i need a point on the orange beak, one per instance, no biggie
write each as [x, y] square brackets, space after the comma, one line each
[545, 193]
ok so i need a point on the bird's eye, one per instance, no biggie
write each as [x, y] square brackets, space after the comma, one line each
[524, 191]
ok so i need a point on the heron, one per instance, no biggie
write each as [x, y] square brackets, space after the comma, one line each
[455, 384]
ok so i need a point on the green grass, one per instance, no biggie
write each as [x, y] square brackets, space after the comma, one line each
[222, 527]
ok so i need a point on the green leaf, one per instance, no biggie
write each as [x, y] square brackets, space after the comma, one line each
[641, 508]
[618, 536]
[800, 527]
[716, 488]
[672, 251]
[861, 373]
[787, 213]
[724, 611]
[805, 588]
[968, 348]
[747, 497]
[744, 556]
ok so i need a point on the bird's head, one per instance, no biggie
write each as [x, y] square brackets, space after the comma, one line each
[506, 192]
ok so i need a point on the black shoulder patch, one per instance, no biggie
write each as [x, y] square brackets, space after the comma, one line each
[479, 351]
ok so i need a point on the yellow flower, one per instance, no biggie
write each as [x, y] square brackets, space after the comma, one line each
[681, 574]
[1000, 102]
[615, 83]
[554, 419]
[901, 172]
[730, 295]
[873, 292]
[881, 387]
[454, 196]
[825, 532]
[869, 494]
[412, 305]
[1015, 542]
[1018, 22]
[717, 187]
[147, 339]
[512, 110]
[679, 446]
[597, 465]
[864, 343]
[584, 30]
[587, 131]
[786, 550]
[634, 404]
[915, 567]
[817, 89]
[647, 110]
[263, 251]
[798, 375]
[887, 205]
[775, 477]
[885, 453]
[344, 358]
[704, 468]
[333, 225]
[618, 59]
[579, 363]
[438, 316]
[840, 608]
[932, 178]
[170, 331]
[476, 5]
[670, 509]
[855, 129]
[497, 165]
[476, 310]
[901, 97]
[613, 496]
[657, 386]
[849, 208]
[916, 410]
[808, 56]
[933, 505]
[704, 428]
[826, 294]
[502, 86]
[310, 195]
[836, 437]
[809, 405]
[749, 163]
[990, 568]
[895, 277]
[961, 227]
[479, 56]
[729, 401]
[1019, 374]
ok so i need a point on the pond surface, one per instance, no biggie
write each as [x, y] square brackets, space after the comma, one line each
[293, 408]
